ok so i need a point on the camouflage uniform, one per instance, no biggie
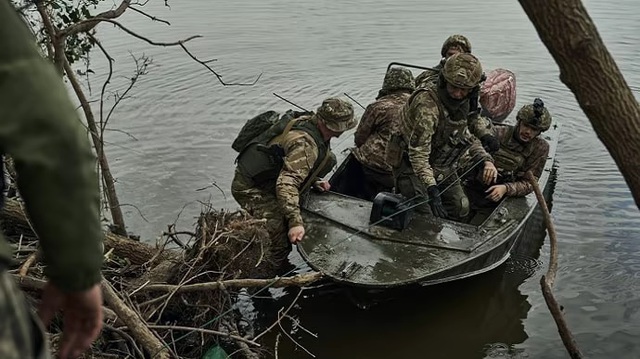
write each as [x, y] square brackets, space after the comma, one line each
[430, 77]
[435, 131]
[40, 130]
[379, 121]
[515, 158]
[277, 200]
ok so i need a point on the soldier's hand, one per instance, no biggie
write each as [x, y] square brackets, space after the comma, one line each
[322, 186]
[495, 193]
[435, 202]
[81, 317]
[296, 233]
[489, 173]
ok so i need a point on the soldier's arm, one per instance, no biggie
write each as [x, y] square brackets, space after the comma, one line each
[365, 126]
[300, 155]
[478, 152]
[40, 129]
[423, 115]
[479, 126]
[535, 163]
[426, 77]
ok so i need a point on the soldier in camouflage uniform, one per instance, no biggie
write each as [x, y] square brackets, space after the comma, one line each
[434, 134]
[40, 130]
[303, 151]
[452, 45]
[481, 127]
[521, 150]
[379, 120]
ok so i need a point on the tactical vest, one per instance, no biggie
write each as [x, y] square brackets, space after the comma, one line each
[262, 160]
[451, 138]
[512, 154]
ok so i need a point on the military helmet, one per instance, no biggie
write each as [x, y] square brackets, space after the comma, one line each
[337, 114]
[453, 41]
[398, 78]
[535, 115]
[462, 70]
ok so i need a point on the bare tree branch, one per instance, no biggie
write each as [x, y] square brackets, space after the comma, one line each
[149, 16]
[89, 24]
[205, 64]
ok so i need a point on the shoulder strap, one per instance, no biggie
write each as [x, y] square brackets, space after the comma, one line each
[286, 130]
[315, 173]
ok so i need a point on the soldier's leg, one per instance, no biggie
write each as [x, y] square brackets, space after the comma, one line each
[455, 201]
[21, 336]
[376, 182]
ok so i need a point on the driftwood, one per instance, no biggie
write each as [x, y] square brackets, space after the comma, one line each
[295, 281]
[167, 303]
[136, 325]
[547, 281]
[134, 251]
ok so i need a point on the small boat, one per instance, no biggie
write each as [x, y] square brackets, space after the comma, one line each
[342, 244]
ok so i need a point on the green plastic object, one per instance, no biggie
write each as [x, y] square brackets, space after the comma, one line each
[215, 352]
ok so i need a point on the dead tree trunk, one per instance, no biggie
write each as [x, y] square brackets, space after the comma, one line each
[589, 71]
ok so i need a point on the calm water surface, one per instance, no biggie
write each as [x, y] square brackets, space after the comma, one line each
[183, 122]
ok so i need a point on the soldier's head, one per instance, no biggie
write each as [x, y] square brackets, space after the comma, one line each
[460, 74]
[397, 79]
[334, 117]
[455, 44]
[533, 119]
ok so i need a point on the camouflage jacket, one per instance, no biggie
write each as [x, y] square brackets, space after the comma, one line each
[428, 77]
[301, 153]
[40, 130]
[519, 158]
[379, 121]
[419, 122]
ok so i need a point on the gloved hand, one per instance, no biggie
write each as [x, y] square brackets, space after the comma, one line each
[436, 202]
[490, 143]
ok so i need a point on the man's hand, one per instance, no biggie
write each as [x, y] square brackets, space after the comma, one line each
[436, 202]
[296, 233]
[81, 317]
[322, 186]
[489, 173]
[495, 193]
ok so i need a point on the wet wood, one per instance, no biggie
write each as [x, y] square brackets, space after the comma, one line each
[138, 327]
[547, 281]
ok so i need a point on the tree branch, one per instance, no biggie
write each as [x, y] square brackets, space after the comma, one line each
[546, 282]
[149, 16]
[89, 24]
[299, 280]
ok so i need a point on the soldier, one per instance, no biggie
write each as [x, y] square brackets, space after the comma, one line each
[271, 187]
[40, 130]
[379, 120]
[521, 150]
[434, 135]
[452, 45]
[479, 126]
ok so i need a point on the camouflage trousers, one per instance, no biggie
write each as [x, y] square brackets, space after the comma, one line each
[21, 334]
[262, 203]
[454, 198]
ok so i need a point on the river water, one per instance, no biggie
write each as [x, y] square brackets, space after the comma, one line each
[172, 141]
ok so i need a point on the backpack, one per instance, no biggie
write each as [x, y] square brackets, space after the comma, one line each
[254, 127]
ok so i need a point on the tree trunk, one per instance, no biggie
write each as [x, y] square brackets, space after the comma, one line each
[589, 71]
[105, 171]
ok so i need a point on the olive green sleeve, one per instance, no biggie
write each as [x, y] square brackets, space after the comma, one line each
[40, 129]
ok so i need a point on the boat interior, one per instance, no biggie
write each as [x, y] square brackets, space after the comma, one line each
[349, 178]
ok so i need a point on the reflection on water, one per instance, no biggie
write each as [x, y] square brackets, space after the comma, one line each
[184, 122]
